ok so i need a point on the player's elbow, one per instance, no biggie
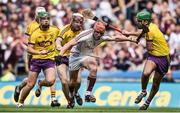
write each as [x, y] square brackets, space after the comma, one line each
[29, 50]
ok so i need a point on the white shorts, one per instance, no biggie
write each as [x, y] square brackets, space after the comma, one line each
[75, 62]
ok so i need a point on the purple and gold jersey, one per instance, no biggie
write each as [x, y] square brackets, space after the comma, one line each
[159, 44]
[44, 40]
[67, 34]
[31, 27]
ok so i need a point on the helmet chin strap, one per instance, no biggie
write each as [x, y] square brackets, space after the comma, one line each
[144, 26]
[145, 29]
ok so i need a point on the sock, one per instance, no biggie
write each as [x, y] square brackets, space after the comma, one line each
[43, 83]
[90, 83]
[69, 99]
[88, 93]
[71, 89]
[71, 94]
[143, 91]
[147, 102]
[77, 88]
[76, 94]
[53, 95]
[18, 89]
[23, 84]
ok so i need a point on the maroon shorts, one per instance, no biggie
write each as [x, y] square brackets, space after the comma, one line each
[37, 64]
[162, 63]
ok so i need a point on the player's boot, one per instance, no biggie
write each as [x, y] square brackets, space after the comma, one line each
[16, 94]
[140, 97]
[71, 104]
[20, 105]
[55, 103]
[144, 107]
[38, 90]
[79, 100]
[90, 98]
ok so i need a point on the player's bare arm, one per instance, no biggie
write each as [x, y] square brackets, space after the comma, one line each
[135, 33]
[32, 51]
[149, 45]
[58, 43]
[68, 46]
[121, 38]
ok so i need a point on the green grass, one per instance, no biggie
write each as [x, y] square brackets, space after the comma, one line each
[81, 109]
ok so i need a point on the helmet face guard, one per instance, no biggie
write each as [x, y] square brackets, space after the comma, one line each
[99, 30]
[77, 22]
[143, 19]
[139, 24]
[100, 27]
[44, 19]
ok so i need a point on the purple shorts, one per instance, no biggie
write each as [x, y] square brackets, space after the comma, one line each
[162, 63]
[62, 60]
[37, 64]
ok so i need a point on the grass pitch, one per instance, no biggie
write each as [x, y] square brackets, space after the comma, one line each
[82, 109]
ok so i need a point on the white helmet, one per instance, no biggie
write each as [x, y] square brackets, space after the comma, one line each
[38, 10]
[77, 14]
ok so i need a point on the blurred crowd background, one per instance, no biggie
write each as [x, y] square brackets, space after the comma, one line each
[16, 14]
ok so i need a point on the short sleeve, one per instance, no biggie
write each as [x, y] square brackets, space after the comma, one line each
[64, 30]
[84, 35]
[152, 31]
[32, 39]
[58, 31]
[28, 30]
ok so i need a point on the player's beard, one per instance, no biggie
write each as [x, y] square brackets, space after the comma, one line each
[76, 27]
[96, 37]
[45, 26]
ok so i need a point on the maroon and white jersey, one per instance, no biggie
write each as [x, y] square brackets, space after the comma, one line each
[87, 43]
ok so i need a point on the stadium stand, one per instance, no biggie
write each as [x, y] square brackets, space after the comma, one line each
[123, 60]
